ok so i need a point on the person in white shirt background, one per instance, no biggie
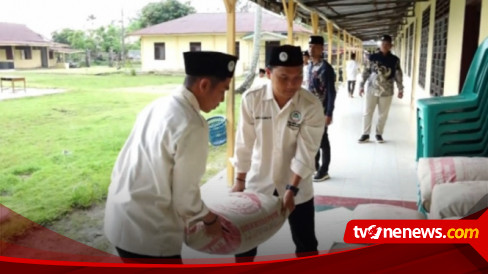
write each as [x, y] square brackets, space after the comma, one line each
[280, 128]
[155, 185]
[306, 61]
[261, 80]
[352, 70]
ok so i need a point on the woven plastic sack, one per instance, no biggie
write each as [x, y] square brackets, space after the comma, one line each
[460, 199]
[248, 219]
[434, 171]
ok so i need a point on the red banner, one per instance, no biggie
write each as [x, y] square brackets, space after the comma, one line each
[473, 232]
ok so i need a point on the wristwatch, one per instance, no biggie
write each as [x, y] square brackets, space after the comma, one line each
[294, 189]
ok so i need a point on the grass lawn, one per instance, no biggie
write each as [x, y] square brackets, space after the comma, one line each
[57, 151]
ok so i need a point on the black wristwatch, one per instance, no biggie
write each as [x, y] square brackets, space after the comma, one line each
[294, 189]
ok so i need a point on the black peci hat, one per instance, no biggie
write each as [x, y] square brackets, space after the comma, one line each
[305, 53]
[209, 63]
[286, 56]
[316, 40]
[386, 38]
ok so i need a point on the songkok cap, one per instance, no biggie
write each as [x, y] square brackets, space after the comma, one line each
[286, 56]
[209, 63]
[386, 38]
[316, 40]
[305, 53]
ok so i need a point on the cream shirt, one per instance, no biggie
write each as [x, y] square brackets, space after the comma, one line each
[154, 190]
[274, 143]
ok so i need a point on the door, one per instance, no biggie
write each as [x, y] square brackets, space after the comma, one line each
[472, 20]
[44, 59]
[268, 46]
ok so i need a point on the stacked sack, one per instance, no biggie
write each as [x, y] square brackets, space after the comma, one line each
[453, 187]
[247, 219]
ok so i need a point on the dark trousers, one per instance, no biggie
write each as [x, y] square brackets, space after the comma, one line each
[351, 85]
[129, 257]
[302, 226]
[325, 149]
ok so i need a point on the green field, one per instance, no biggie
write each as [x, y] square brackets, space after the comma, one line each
[57, 151]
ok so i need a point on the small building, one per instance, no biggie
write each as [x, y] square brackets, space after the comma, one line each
[162, 45]
[22, 48]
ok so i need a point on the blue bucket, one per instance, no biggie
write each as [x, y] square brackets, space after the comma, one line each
[217, 130]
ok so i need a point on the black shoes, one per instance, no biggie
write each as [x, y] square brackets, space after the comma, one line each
[321, 176]
[364, 139]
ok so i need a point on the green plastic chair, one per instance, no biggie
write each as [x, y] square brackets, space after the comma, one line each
[454, 115]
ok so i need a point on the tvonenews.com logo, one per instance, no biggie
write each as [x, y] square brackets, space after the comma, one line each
[375, 232]
[472, 231]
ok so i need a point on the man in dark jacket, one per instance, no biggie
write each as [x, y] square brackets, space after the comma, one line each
[383, 71]
[322, 84]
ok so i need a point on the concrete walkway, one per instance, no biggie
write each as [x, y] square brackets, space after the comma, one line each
[29, 92]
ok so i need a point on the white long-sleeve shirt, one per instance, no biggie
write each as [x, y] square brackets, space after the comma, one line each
[352, 70]
[155, 190]
[274, 143]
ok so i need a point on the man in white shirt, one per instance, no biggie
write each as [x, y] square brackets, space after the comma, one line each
[154, 191]
[352, 70]
[278, 135]
[261, 80]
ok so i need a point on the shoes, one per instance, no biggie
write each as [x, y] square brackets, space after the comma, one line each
[321, 176]
[364, 138]
[379, 139]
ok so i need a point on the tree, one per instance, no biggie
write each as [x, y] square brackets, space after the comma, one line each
[255, 57]
[159, 12]
[75, 38]
[244, 6]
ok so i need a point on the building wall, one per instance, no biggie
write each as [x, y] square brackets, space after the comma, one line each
[484, 21]
[177, 44]
[454, 46]
[3, 55]
[52, 62]
[35, 62]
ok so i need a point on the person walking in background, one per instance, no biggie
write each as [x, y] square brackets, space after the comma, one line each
[261, 80]
[352, 69]
[306, 60]
[322, 84]
[382, 71]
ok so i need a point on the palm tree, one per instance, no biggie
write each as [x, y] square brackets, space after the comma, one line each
[257, 46]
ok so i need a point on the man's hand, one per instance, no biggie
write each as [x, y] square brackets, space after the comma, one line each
[361, 92]
[400, 94]
[214, 230]
[238, 186]
[288, 202]
[212, 225]
[328, 120]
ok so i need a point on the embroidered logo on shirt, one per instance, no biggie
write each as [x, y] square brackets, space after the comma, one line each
[296, 116]
[263, 117]
[295, 119]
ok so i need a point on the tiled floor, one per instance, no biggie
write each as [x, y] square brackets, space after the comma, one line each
[369, 171]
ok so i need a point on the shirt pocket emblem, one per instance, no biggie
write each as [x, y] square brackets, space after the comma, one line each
[295, 120]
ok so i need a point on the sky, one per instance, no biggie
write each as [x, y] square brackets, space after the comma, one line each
[47, 16]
